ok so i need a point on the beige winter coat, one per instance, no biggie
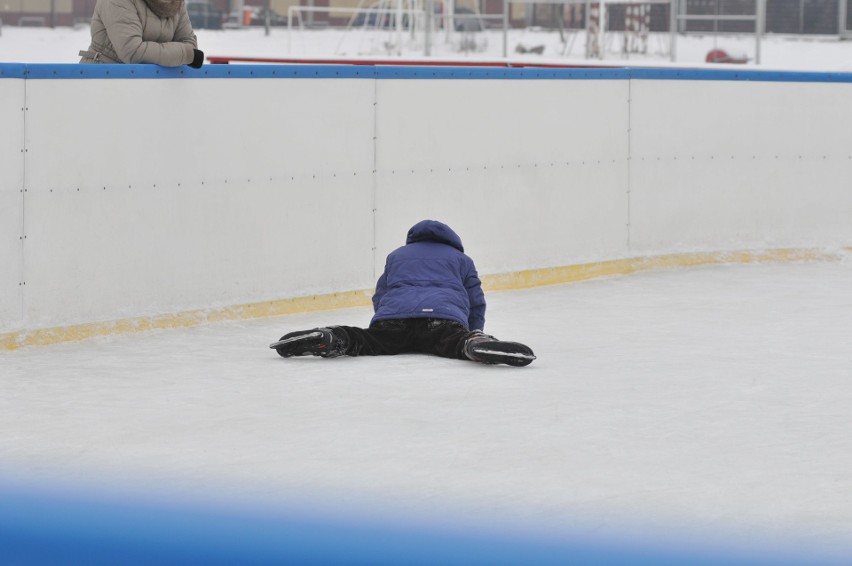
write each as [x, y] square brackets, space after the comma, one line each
[136, 31]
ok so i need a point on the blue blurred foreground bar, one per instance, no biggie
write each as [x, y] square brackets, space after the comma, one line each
[63, 529]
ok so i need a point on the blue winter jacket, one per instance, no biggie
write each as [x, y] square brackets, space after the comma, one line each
[430, 277]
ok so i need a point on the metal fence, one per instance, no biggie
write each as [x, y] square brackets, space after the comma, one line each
[826, 17]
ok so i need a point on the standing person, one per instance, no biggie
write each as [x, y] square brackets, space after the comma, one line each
[429, 299]
[143, 31]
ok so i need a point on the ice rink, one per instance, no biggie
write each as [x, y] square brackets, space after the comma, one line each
[708, 403]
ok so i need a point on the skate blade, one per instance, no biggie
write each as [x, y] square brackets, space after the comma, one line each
[295, 339]
[505, 354]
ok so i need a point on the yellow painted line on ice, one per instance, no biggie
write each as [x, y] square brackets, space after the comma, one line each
[504, 281]
[581, 272]
[46, 336]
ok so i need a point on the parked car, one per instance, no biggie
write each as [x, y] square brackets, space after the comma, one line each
[258, 17]
[204, 15]
[234, 20]
[253, 16]
[465, 19]
[378, 15]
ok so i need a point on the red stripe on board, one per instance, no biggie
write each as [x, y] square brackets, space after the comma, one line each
[218, 59]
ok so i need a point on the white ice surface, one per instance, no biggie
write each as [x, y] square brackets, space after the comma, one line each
[709, 403]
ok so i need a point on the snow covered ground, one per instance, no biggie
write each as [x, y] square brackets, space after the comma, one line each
[803, 53]
[708, 404]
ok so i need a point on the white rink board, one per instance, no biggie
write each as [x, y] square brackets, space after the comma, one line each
[739, 164]
[11, 201]
[171, 131]
[164, 202]
[160, 195]
[532, 172]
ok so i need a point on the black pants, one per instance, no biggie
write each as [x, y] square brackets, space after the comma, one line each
[443, 338]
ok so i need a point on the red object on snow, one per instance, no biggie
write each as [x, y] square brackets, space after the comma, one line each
[721, 56]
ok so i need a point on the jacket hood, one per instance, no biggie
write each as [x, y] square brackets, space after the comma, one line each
[434, 231]
[165, 8]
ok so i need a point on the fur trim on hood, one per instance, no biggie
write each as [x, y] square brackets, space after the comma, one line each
[165, 8]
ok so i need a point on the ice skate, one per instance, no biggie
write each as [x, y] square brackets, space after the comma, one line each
[323, 342]
[481, 347]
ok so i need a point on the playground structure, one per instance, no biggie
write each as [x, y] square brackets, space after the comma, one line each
[387, 25]
[620, 29]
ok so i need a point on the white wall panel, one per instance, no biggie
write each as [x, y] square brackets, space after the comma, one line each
[171, 194]
[162, 195]
[11, 201]
[530, 173]
[734, 164]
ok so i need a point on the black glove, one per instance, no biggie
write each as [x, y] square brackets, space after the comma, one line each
[197, 59]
